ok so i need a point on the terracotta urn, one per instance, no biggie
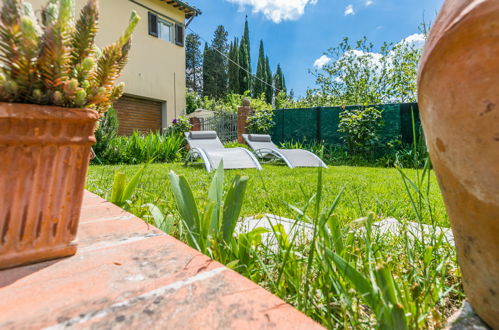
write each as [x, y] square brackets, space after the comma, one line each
[459, 102]
[44, 159]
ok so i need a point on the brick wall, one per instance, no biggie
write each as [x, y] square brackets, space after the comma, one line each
[242, 116]
[136, 114]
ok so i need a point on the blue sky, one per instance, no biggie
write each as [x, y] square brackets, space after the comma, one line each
[297, 32]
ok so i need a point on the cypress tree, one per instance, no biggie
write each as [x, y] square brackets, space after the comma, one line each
[279, 82]
[245, 81]
[208, 75]
[269, 91]
[261, 73]
[193, 63]
[217, 65]
[234, 86]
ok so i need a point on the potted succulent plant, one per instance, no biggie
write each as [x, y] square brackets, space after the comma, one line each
[54, 85]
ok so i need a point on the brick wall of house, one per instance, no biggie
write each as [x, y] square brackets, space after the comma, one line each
[136, 114]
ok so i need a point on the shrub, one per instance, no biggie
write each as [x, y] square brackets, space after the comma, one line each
[192, 102]
[235, 144]
[54, 61]
[360, 129]
[137, 149]
[106, 131]
[229, 104]
[261, 121]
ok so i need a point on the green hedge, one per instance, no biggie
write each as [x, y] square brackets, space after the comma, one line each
[321, 123]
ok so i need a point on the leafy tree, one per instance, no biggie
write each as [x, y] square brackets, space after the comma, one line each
[358, 75]
[193, 63]
[245, 79]
[261, 73]
[232, 102]
[233, 70]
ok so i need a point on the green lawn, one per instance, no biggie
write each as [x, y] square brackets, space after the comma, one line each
[380, 190]
[346, 276]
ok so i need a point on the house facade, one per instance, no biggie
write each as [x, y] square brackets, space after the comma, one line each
[155, 74]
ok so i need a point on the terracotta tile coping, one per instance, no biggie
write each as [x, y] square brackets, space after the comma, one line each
[127, 274]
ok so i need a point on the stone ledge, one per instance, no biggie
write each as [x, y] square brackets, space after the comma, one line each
[466, 319]
[128, 274]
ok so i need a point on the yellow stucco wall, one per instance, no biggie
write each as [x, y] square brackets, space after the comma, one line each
[156, 68]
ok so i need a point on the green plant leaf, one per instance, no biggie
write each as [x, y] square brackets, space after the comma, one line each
[360, 283]
[215, 195]
[119, 183]
[130, 187]
[186, 203]
[393, 312]
[165, 223]
[232, 206]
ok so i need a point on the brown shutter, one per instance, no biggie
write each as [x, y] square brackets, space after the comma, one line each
[153, 24]
[179, 35]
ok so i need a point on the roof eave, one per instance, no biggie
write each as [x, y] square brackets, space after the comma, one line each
[190, 11]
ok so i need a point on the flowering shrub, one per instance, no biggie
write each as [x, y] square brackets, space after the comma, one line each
[179, 126]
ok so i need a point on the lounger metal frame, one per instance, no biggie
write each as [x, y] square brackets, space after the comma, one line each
[264, 152]
[195, 153]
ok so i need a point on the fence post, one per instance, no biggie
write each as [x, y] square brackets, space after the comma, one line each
[195, 123]
[243, 113]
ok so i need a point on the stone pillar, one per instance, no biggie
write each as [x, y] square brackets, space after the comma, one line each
[242, 116]
[196, 124]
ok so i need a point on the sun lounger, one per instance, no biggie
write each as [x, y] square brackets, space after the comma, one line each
[207, 146]
[264, 148]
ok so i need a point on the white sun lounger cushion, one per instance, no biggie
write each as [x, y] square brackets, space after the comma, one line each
[260, 138]
[203, 135]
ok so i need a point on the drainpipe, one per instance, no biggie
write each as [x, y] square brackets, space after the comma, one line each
[175, 94]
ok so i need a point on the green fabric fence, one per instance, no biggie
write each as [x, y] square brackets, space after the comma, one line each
[321, 123]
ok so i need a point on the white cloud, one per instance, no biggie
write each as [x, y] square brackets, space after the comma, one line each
[369, 2]
[321, 61]
[349, 10]
[277, 10]
[417, 40]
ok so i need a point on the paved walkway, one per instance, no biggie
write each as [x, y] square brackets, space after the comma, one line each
[128, 274]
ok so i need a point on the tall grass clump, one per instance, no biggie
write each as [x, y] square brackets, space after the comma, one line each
[210, 228]
[346, 273]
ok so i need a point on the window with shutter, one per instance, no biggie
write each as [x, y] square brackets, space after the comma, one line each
[179, 35]
[153, 24]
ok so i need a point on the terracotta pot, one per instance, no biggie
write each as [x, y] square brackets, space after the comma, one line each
[459, 102]
[44, 155]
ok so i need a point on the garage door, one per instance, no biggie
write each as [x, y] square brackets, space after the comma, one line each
[136, 114]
